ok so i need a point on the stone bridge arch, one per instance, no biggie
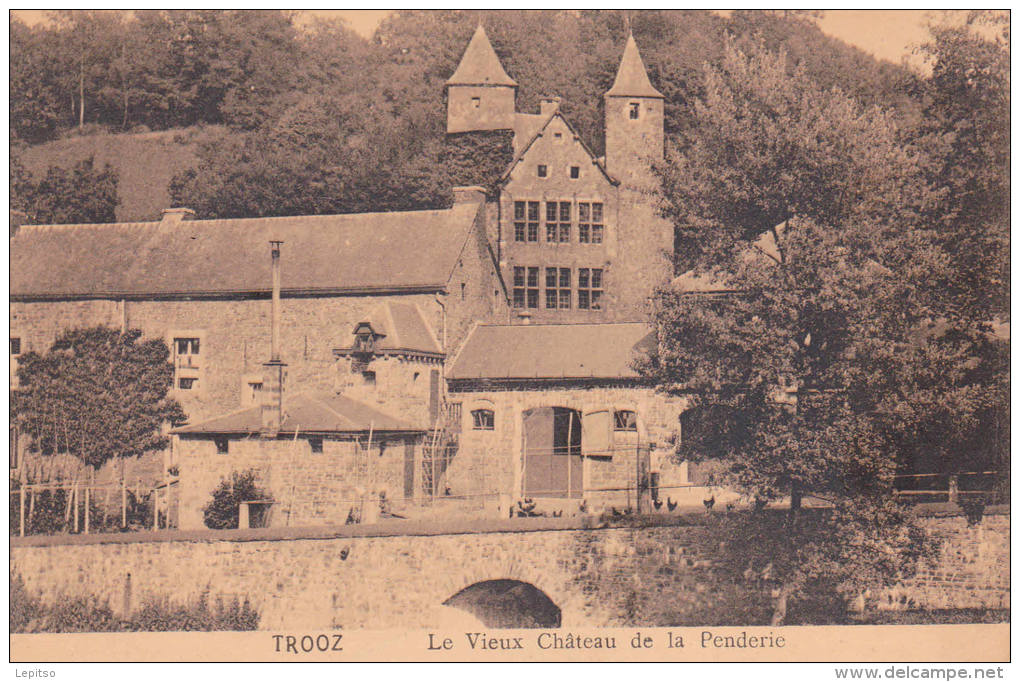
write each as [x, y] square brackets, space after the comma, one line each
[522, 566]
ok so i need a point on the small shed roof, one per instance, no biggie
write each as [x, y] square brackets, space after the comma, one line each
[305, 413]
[552, 351]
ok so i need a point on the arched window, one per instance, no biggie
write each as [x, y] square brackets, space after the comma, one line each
[625, 420]
[483, 420]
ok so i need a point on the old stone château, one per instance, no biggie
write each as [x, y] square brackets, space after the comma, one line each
[475, 359]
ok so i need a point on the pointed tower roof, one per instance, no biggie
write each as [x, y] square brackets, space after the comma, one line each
[632, 78]
[480, 65]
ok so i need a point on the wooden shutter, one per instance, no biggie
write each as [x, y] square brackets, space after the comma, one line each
[597, 433]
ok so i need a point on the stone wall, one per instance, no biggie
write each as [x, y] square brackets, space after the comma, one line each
[235, 336]
[307, 488]
[558, 150]
[972, 570]
[490, 461]
[393, 576]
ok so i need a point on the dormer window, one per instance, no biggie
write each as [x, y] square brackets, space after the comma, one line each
[635, 110]
[364, 339]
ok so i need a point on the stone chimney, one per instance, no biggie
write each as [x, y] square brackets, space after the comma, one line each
[176, 215]
[472, 194]
[273, 371]
[549, 106]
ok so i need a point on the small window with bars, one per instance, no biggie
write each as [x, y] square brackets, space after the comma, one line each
[525, 287]
[591, 222]
[483, 420]
[589, 288]
[624, 420]
[557, 288]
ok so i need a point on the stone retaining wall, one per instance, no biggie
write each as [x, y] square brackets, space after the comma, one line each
[355, 577]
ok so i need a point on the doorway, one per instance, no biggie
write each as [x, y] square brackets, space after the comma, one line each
[552, 462]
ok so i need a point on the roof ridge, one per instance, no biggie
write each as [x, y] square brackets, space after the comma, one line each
[135, 224]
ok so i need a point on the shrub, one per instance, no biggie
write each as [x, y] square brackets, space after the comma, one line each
[163, 615]
[28, 613]
[222, 512]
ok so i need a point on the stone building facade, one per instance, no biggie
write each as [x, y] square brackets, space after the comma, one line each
[578, 238]
[373, 309]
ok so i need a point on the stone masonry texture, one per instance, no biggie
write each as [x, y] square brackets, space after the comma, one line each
[655, 576]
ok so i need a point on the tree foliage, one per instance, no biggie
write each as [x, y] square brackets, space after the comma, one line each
[96, 394]
[223, 510]
[320, 120]
[830, 359]
[81, 194]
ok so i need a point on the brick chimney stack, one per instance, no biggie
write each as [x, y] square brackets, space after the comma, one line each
[273, 371]
[549, 106]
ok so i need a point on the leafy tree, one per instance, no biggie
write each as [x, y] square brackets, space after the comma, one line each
[223, 510]
[808, 207]
[80, 194]
[966, 131]
[96, 394]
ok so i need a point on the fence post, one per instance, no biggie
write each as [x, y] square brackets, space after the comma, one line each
[74, 504]
[155, 509]
[954, 488]
[21, 505]
[87, 491]
[123, 500]
[637, 477]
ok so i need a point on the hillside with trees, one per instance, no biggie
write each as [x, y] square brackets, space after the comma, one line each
[312, 118]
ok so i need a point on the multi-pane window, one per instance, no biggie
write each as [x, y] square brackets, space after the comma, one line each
[525, 287]
[635, 110]
[187, 362]
[591, 222]
[526, 221]
[557, 288]
[589, 288]
[557, 221]
[532, 221]
[543, 171]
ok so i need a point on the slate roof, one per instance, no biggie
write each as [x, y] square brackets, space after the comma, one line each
[403, 328]
[305, 413]
[632, 77]
[331, 253]
[551, 351]
[480, 65]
